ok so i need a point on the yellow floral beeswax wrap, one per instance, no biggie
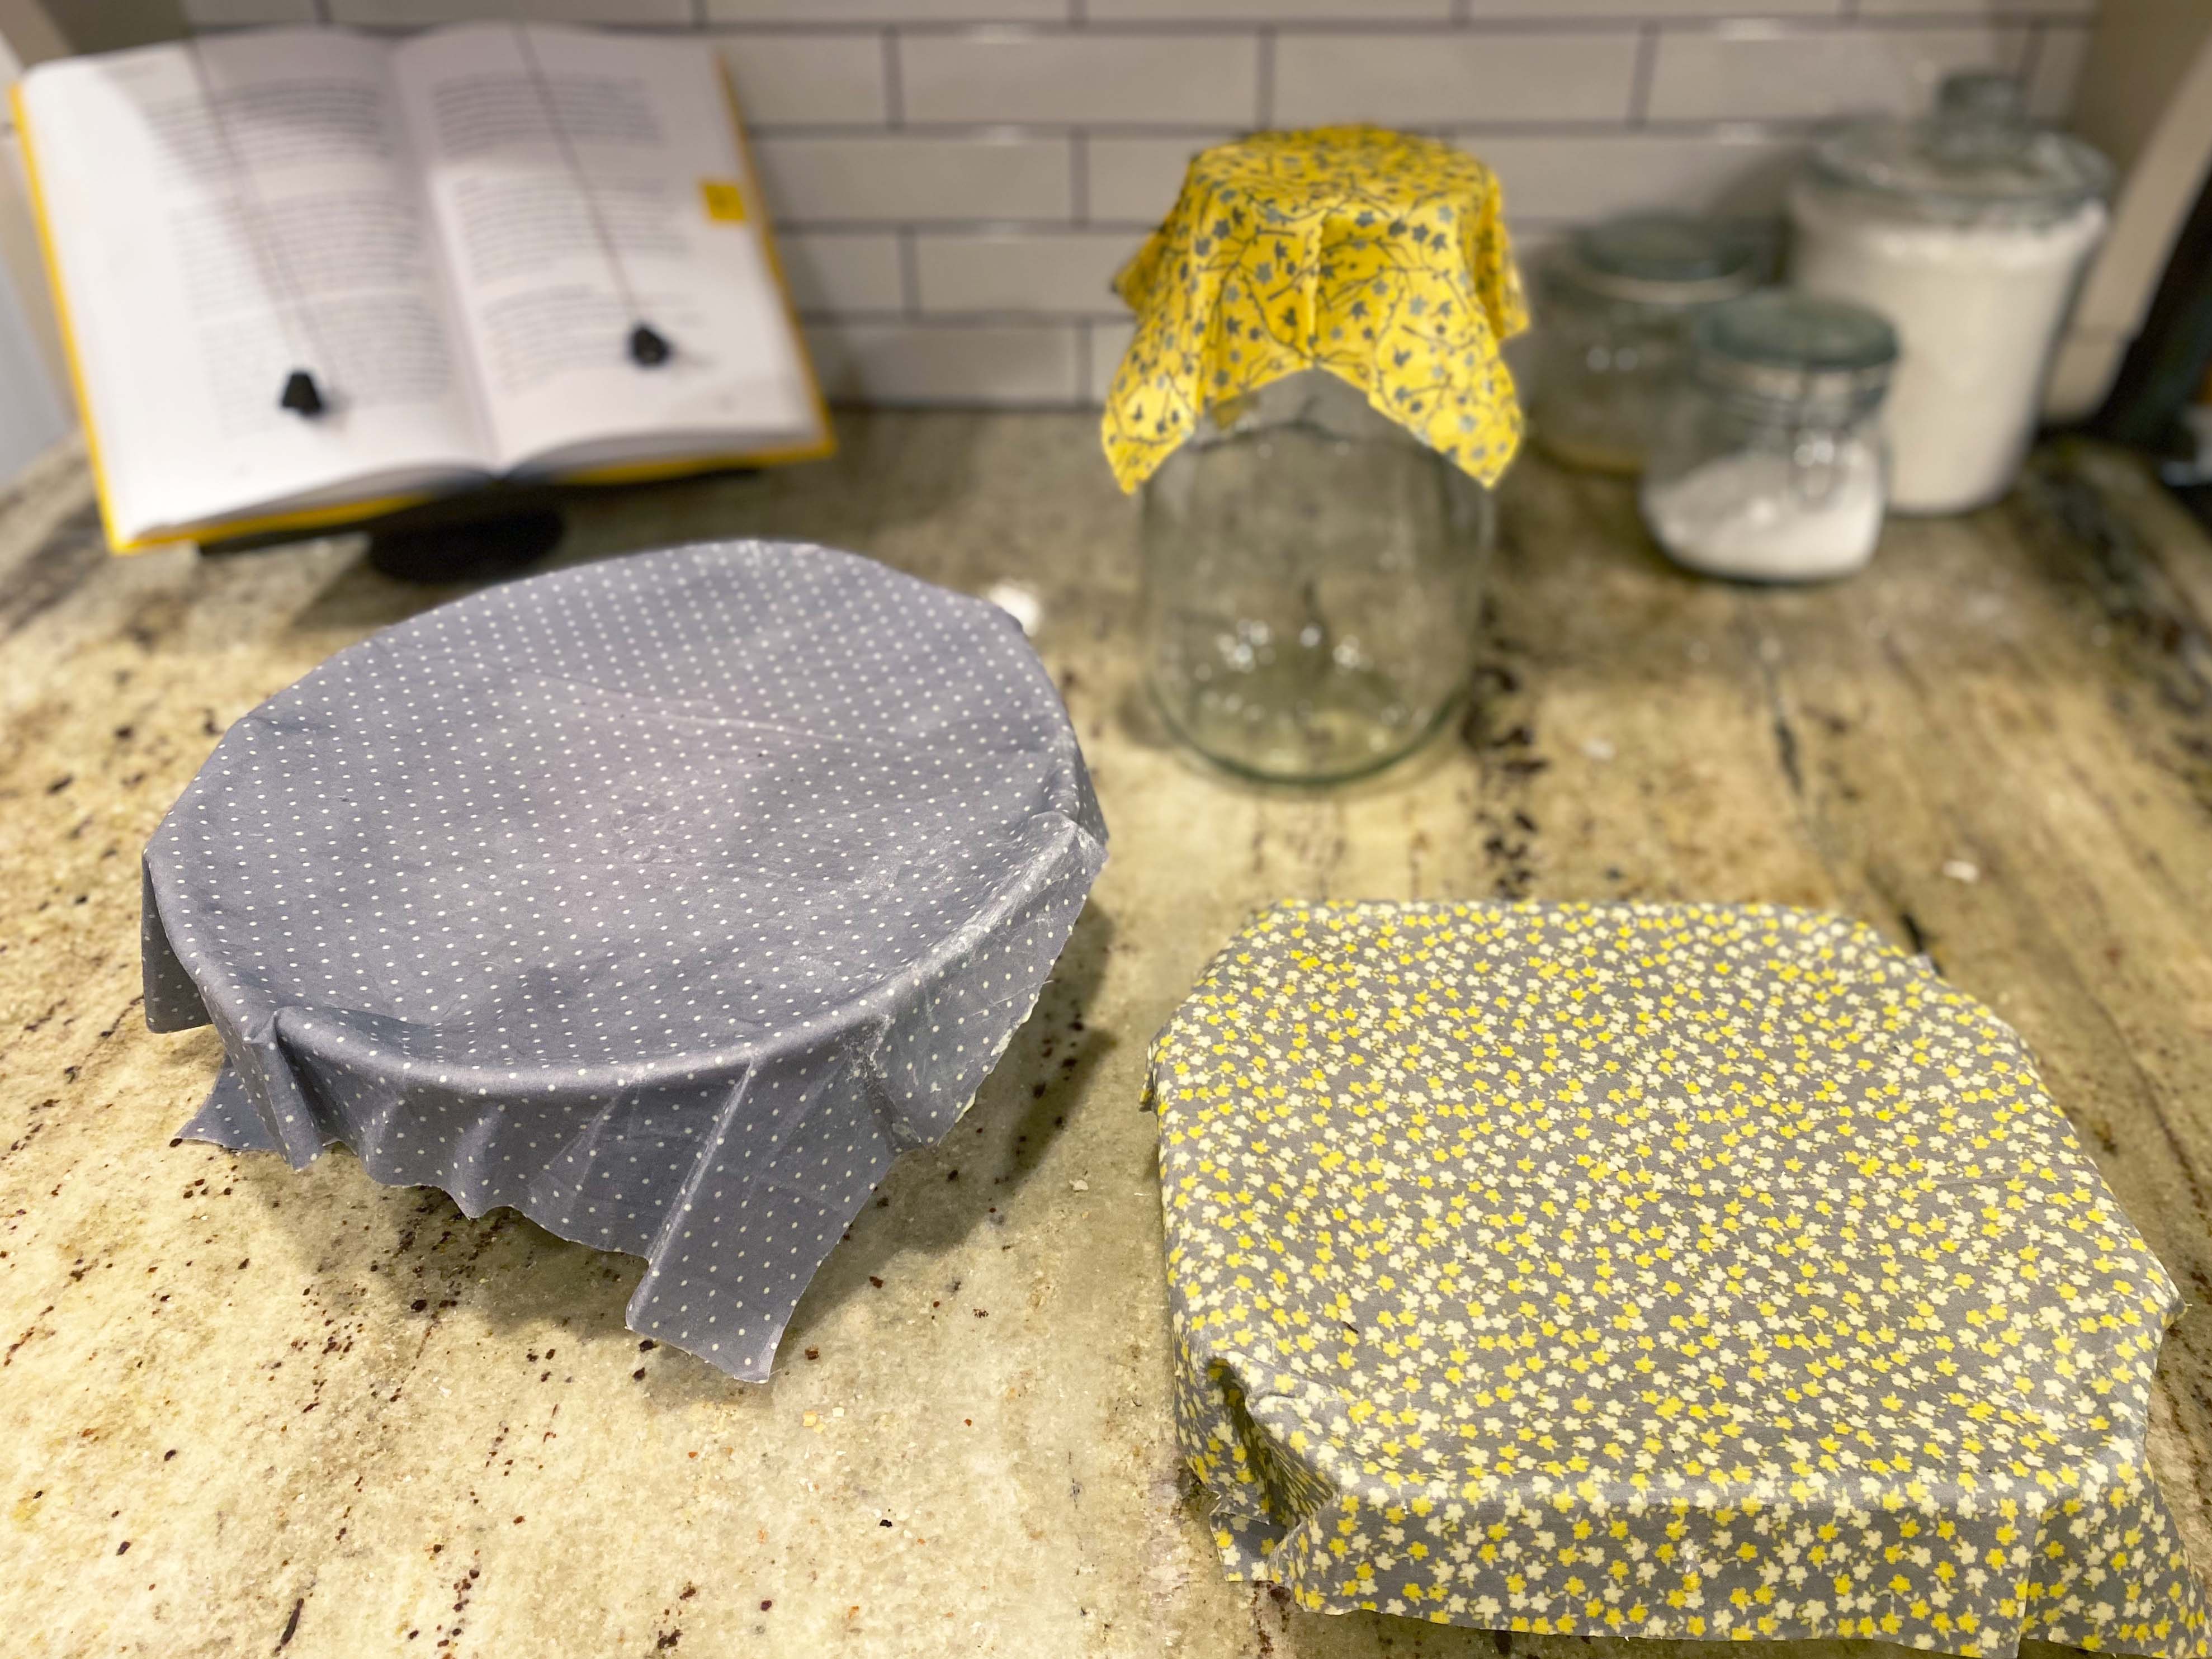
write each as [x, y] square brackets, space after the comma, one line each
[1654, 1270]
[1376, 255]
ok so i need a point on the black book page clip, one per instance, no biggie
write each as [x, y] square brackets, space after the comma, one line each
[648, 348]
[302, 395]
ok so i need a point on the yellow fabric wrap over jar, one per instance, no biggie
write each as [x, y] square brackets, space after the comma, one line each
[1379, 257]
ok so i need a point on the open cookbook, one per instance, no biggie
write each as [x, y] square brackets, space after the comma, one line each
[307, 276]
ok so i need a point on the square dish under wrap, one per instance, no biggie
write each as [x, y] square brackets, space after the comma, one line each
[1654, 1270]
[665, 900]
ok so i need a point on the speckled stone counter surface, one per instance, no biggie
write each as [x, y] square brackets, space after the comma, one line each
[245, 1410]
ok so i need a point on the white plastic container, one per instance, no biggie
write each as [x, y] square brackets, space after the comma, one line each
[1969, 231]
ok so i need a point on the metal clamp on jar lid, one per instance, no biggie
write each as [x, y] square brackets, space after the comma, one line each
[1977, 157]
[1793, 347]
[1768, 458]
[1768, 465]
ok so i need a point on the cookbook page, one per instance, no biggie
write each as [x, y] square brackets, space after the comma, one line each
[220, 215]
[583, 183]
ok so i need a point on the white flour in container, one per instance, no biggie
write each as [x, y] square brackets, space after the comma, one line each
[1759, 515]
[1977, 307]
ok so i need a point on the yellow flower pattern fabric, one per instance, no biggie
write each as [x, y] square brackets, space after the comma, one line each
[1679, 1270]
[1379, 257]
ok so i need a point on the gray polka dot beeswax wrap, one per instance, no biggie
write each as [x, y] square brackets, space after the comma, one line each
[1654, 1270]
[665, 900]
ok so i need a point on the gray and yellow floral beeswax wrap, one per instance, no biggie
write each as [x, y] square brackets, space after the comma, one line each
[664, 900]
[1656, 1271]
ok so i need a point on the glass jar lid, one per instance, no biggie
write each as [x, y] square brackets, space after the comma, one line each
[1659, 258]
[1978, 156]
[1792, 347]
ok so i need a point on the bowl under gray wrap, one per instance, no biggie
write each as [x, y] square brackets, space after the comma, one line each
[666, 900]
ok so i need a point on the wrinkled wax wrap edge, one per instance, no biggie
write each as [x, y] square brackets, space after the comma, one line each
[1290, 1508]
[1380, 256]
[292, 1083]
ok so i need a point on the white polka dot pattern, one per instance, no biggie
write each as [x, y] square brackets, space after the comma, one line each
[664, 900]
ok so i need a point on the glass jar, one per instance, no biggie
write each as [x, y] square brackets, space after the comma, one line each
[1312, 571]
[1968, 230]
[1616, 304]
[1768, 464]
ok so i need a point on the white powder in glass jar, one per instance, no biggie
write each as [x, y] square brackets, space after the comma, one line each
[1762, 516]
[1977, 307]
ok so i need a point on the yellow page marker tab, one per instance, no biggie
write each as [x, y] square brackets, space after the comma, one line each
[725, 203]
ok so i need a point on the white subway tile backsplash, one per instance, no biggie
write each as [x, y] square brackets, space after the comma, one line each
[1019, 364]
[956, 182]
[2057, 71]
[1744, 71]
[803, 80]
[2078, 9]
[1423, 79]
[1656, 11]
[842, 271]
[1574, 177]
[835, 12]
[1110, 343]
[1005, 74]
[1136, 180]
[1069, 273]
[1268, 11]
[902, 177]
[394, 12]
[230, 13]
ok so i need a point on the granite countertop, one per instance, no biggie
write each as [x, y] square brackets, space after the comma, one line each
[249, 1411]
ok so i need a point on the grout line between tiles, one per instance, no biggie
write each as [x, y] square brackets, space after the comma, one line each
[1639, 88]
[894, 81]
[1266, 80]
[951, 227]
[977, 402]
[1533, 21]
[866, 317]
[1079, 179]
[1688, 126]
[2031, 59]
[910, 254]
[1534, 25]
[1518, 224]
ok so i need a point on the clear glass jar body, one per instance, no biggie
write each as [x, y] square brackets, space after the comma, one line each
[1616, 303]
[1312, 575]
[1767, 489]
[1602, 367]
